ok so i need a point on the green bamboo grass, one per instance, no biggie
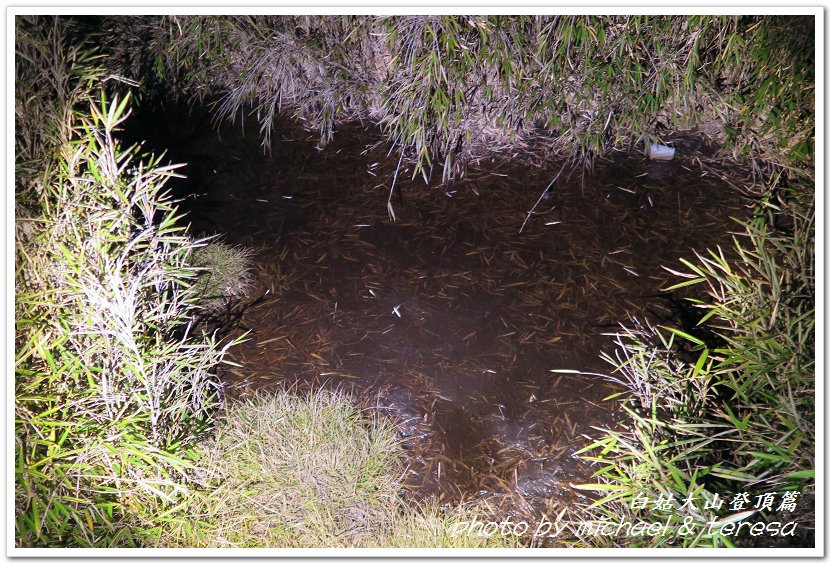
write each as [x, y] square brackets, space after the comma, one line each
[740, 418]
[451, 90]
[114, 389]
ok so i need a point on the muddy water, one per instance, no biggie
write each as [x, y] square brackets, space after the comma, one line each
[448, 319]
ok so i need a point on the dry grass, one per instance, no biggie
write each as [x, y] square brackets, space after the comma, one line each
[288, 470]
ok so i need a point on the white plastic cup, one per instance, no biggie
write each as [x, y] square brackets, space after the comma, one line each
[659, 152]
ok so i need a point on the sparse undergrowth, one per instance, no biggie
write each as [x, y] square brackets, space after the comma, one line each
[288, 470]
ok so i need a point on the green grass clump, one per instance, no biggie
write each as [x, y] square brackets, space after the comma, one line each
[739, 418]
[225, 273]
[288, 470]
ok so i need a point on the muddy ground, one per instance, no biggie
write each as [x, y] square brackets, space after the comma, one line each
[449, 319]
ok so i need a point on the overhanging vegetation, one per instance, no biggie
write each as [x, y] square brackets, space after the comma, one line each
[449, 90]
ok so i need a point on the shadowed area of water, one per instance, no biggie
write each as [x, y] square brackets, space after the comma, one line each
[449, 319]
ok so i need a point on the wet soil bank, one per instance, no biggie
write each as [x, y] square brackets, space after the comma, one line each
[449, 319]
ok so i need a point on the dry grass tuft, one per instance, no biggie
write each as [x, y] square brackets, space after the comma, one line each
[288, 470]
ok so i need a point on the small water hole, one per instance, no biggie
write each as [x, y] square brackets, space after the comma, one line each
[448, 319]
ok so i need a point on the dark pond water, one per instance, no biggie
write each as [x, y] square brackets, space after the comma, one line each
[448, 319]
